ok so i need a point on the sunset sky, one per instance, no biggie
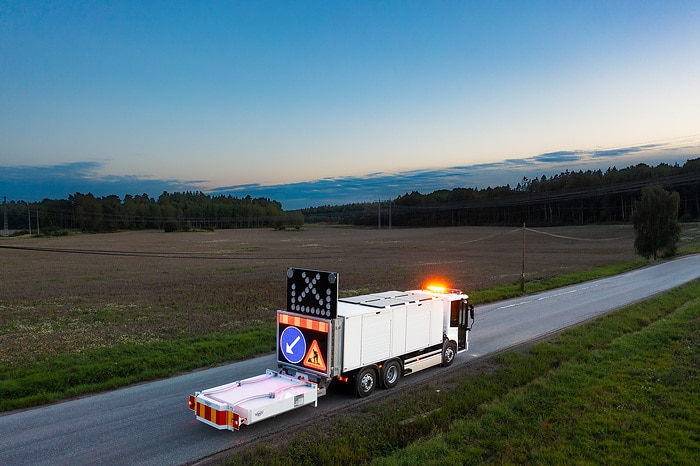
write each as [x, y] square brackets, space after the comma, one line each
[328, 102]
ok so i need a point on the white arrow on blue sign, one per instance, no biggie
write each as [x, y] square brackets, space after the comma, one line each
[293, 344]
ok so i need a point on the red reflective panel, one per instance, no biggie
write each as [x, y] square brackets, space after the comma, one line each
[221, 418]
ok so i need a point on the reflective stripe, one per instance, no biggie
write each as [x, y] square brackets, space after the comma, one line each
[213, 415]
[303, 322]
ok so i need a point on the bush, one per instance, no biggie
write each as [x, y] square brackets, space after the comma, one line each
[171, 225]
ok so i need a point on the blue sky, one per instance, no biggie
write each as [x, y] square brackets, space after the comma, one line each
[322, 102]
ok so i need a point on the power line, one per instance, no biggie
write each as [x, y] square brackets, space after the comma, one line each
[574, 238]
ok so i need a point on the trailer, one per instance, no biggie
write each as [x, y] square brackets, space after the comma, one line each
[371, 341]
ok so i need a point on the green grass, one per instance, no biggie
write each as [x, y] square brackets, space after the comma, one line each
[511, 291]
[64, 376]
[618, 390]
[691, 248]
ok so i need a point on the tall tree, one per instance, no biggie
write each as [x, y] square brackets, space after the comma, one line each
[655, 220]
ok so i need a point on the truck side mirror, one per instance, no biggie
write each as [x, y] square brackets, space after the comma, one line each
[471, 311]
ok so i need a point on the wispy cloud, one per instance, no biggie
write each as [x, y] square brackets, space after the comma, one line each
[627, 150]
[59, 181]
[33, 184]
[559, 157]
[72, 171]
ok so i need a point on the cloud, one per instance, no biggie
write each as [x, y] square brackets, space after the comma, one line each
[34, 184]
[59, 181]
[626, 150]
[77, 170]
[558, 157]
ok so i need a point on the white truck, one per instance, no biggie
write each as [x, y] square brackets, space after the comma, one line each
[370, 340]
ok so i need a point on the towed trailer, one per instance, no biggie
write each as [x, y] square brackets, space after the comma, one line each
[252, 400]
[371, 340]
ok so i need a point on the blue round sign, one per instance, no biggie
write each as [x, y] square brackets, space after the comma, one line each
[293, 345]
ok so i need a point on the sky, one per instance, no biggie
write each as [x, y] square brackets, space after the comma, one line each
[330, 102]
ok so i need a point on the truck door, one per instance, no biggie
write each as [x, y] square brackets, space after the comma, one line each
[459, 317]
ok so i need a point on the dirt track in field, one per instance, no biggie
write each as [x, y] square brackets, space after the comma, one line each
[80, 292]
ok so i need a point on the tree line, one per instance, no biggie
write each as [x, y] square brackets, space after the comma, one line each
[569, 198]
[170, 212]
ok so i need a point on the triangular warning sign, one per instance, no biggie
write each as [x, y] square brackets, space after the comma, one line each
[314, 358]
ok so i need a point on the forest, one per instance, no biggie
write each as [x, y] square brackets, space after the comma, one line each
[170, 212]
[569, 198]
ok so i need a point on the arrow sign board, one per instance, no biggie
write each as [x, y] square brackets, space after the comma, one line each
[293, 344]
[312, 293]
[303, 342]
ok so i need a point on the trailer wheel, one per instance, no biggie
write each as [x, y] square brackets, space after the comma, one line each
[391, 373]
[365, 381]
[449, 351]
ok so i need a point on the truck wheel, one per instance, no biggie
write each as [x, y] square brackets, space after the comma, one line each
[391, 373]
[449, 351]
[365, 381]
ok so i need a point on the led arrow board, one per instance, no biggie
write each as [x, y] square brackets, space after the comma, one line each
[303, 342]
[312, 293]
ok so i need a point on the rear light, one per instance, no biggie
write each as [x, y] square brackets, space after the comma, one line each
[192, 403]
[236, 421]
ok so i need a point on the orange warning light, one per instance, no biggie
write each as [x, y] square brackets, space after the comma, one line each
[436, 288]
[436, 285]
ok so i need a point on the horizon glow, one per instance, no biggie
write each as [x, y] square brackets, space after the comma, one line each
[275, 94]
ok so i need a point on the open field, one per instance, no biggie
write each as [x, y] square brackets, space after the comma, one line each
[77, 293]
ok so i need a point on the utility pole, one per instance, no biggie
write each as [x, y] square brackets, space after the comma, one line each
[29, 215]
[37, 219]
[4, 203]
[379, 215]
[522, 276]
[390, 215]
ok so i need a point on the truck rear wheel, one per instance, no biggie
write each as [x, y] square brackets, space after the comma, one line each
[391, 373]
[449, 351]
[365, 381]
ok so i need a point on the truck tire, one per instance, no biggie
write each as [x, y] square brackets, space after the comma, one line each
[365, 381]
[391, 373]
[449, 352]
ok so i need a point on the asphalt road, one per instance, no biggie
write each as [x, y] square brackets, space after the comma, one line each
[150, 423]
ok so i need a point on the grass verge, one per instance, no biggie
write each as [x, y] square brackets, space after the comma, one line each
[619, 389]
[64, 376]
[512, 291]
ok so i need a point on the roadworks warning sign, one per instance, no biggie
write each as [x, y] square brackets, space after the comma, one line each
[314, 358]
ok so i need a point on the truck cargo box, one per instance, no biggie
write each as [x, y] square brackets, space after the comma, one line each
[381, 326]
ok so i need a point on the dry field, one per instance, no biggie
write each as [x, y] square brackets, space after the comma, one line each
[70, 294]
